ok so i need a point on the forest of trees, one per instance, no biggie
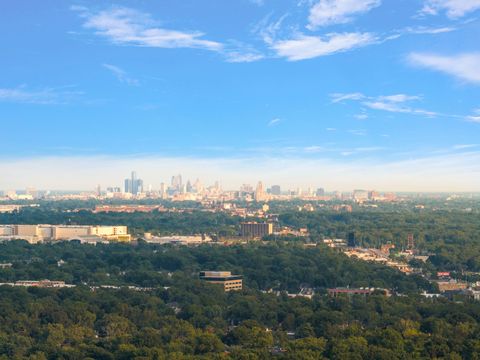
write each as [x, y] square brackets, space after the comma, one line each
[184, 318]
[450, 233]
[180, 317]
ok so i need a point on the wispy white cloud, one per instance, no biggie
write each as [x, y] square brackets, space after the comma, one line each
[274, 122]
[45, 96]
[358, 132]
[398, 98]
[258, 2]
[475, 117]
[121, 75]
[329, 12]
[237, 52]
[397, 103]
[453, 8]
[396, 108]
[238, 57]
[429, 30]
[314, 149]
[303, 47]
[338, 97]
[267, 29]
[126, 26]
[463, 66]
[464, 146]
[361, 116]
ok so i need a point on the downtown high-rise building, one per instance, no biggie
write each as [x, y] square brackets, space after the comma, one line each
[177, 182]
[133, 185]
[276, 190]
[260, 192]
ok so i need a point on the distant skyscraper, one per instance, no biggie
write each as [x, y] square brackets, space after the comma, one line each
[259, 192]
[134, 182]
[276, 190]
[198, 186]
[163, 190]
[128, 186]
[133, 185]
[246, 188]
[177, 182]
[320, 192]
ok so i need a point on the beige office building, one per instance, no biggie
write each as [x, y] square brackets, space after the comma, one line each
[225, 278]
[38, 233]
[256, 230]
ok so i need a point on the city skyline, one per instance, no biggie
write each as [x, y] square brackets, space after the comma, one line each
[86, 173]
[348, 94]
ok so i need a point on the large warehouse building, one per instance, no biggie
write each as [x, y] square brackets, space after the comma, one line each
[84, 233]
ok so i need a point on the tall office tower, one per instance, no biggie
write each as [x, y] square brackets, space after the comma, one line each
[276, 190]
[189, 187]
[373, 195]
[246, 188]
[177, 182]
[410, 242]
[133, 185]
[99, 190]
[134, 182]
[198, 186]
[320, 192]
[259, 192]
[351, 239]
[163, 190]
[139, 186]
[128, 186]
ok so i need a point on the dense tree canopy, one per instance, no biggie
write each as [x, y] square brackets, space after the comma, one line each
[182, 317]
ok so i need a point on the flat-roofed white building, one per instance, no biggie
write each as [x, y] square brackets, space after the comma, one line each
[45, 232]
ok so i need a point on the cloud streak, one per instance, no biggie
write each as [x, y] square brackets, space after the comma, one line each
[463, 66]
[454, 9]
[274, 122]
[330, 12]
[397, 103]
[125, 26]
[121, 75]
[45, 96]
[303, 47]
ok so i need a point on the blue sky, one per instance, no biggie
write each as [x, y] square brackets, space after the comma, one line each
[335, 93]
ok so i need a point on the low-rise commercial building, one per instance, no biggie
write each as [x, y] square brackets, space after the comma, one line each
[225, 278]
[451, 285]
[39, 233]
[39, 283]
[336, 292]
